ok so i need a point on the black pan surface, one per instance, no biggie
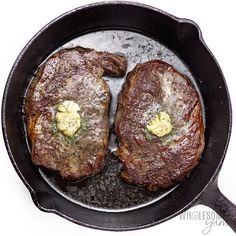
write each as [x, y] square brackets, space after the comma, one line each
[104, 201]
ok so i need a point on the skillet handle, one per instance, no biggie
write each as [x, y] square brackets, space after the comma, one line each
[214, 199]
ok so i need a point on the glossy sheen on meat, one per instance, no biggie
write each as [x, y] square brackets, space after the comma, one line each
[148, 160]
[75, 75]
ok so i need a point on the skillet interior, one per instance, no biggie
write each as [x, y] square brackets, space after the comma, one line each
[183, 38]
[106, 191]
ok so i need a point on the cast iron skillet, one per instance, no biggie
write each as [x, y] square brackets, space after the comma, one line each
[183, 38]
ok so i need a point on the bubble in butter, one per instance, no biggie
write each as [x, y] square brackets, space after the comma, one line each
[67, 118]
[160, 125]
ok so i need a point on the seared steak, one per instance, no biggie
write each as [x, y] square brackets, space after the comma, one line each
[159, 125]
[67, 108]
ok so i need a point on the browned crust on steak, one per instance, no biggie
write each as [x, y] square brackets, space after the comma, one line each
[76, 75]
[148, 160]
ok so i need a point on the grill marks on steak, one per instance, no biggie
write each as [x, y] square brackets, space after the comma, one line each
[76, 75]
[148, 160]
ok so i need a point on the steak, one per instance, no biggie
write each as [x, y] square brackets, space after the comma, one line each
[71, 142]
[151, 90]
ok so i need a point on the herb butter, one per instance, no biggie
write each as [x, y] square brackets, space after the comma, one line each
[67, 118]
[160, 125]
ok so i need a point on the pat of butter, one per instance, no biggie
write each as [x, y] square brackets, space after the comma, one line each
[160, 125]
[67, 118]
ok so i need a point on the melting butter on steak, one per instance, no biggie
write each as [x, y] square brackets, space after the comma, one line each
[159, 125]
[67, 118]
[67, 108]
